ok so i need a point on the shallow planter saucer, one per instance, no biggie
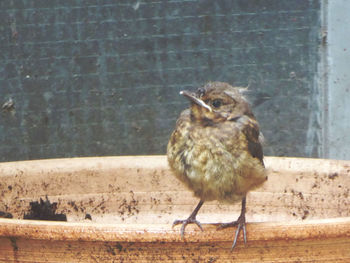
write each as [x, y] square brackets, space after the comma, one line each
[122, 208]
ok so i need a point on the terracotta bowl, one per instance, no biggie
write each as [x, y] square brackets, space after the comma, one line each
[121, 209]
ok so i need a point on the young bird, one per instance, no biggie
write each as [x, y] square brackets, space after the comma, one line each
[215, 150]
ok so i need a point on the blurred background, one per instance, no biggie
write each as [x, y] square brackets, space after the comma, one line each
[102, 77]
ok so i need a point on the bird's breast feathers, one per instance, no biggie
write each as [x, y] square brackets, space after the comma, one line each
[214, 161]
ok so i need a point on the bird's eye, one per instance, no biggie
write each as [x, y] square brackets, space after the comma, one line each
[216, 103]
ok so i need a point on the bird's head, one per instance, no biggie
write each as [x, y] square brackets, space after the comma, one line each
[216, 102]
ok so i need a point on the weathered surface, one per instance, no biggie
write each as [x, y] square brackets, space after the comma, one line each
[301, 213]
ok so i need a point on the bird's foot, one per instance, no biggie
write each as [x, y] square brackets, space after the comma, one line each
[240, 224]
[190, 220]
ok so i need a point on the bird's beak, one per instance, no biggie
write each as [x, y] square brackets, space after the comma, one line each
[194, 99]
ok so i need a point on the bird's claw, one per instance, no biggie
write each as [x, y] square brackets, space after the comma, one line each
[185, 223]
[238, 230]
[240, 224]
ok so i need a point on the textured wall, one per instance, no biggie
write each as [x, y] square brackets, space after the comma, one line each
[337, 115]
[99, 77]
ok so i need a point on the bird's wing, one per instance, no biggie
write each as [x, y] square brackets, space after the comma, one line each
[250, 128]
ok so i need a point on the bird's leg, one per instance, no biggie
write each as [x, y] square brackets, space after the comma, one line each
[190, 220]
[240, 223]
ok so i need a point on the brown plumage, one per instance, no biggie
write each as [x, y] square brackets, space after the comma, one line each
[215, 149]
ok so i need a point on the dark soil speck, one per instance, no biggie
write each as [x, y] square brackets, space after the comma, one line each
[333, 175]
[88, 216]
[5, 214]
[44, 210]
